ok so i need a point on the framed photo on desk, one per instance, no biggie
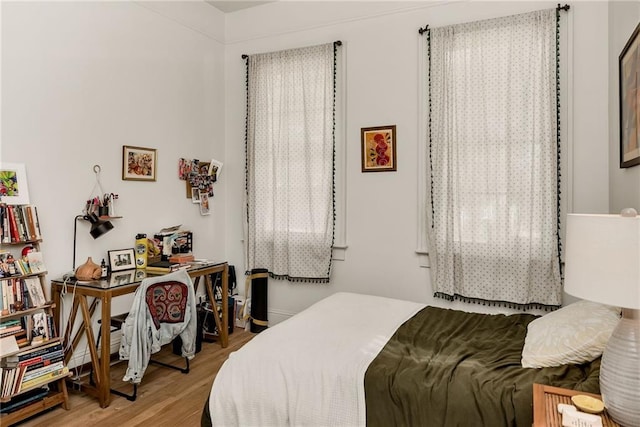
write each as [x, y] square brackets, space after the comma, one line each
[121, 259]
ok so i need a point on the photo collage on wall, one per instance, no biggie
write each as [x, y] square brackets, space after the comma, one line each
[199, 177]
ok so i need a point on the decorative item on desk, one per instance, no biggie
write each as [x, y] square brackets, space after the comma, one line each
[104, 269]
[88, 271]
[602, 264]
[121, 259]
[141, 250]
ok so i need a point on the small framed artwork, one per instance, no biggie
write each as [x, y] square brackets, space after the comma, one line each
[215, 169]
[13, 184]
[138, 163]
[378, 148]
[121, 259]
[195, 195]
[630, 101]
[204, 203]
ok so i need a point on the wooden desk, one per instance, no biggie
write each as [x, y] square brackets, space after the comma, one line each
[103, 291]
[545, 406]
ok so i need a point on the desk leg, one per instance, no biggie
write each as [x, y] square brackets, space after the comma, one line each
[86, 325]
[105, 350]
[209, 286]
[224, 331]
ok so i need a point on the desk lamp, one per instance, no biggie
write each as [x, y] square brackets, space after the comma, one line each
[602, 264]
[98, 228]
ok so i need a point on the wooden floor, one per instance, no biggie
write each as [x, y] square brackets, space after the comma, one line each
[166, 397]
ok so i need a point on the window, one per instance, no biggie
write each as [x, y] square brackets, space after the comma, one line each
[291, 164]
[492, 206]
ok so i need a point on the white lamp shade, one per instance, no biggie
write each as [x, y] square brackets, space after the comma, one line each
[602, 259]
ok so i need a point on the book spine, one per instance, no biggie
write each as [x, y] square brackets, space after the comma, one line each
[37, 223]
[15, 236]
[39, 351]
[43, 378]
[40, 361]
[31, 222]
[38, 372]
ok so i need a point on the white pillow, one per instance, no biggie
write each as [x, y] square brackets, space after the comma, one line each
[576, 333]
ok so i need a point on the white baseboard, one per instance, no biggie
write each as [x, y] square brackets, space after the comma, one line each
[277, 316]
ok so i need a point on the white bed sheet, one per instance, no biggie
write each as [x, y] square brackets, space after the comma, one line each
[308, 370]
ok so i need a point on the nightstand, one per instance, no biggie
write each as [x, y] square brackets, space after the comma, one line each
[545, 406]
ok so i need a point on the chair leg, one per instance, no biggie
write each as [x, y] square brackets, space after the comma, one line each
[129, 397]
[166, 365]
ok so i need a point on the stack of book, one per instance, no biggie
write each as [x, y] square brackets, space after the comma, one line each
[32, 368]
[19, 224]
[162, 267]
[26, 291]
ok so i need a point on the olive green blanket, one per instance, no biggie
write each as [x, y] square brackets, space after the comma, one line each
[452, 368]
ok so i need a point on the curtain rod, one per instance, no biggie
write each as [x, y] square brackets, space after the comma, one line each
[566, 7]
[336, 43]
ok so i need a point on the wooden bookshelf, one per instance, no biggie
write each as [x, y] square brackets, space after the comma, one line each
[24, 300]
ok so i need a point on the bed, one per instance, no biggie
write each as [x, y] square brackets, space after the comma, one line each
[356, 360]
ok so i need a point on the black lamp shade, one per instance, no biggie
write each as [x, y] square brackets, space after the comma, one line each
[98, 226]
[98, 229]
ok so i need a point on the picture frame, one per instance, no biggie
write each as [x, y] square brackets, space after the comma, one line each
[14, 189]
[215, 169]
[629, 82]
[204, 203]
[121, 259]
[195, 195]
[122, 278]
[139, 163]
[378, 148]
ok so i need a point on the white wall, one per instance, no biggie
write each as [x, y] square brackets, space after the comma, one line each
[82, 79]
[381, 45]
[624, 184]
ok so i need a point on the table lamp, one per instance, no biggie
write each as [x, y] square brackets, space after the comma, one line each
[98, 228]
[602, 264]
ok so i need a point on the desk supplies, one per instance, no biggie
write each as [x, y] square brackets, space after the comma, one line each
[141, 250]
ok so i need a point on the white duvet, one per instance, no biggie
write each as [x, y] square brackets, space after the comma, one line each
[308, 370]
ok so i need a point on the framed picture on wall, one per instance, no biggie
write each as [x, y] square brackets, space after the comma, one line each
[378, 146]
[629, 69]
[138, 163]
[13, 184]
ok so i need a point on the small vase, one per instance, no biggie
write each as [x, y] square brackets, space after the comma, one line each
[88, 271]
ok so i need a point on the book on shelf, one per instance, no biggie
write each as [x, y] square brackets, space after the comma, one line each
[36, 262]
[8, 345]
[24, 399]
[19, 223]
[37, 351]
[43, 378]
[35, 291]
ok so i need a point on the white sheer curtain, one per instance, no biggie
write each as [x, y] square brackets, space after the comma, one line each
[493, 147]
[290, 162]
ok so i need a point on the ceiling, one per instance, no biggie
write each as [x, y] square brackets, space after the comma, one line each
[232, 6]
